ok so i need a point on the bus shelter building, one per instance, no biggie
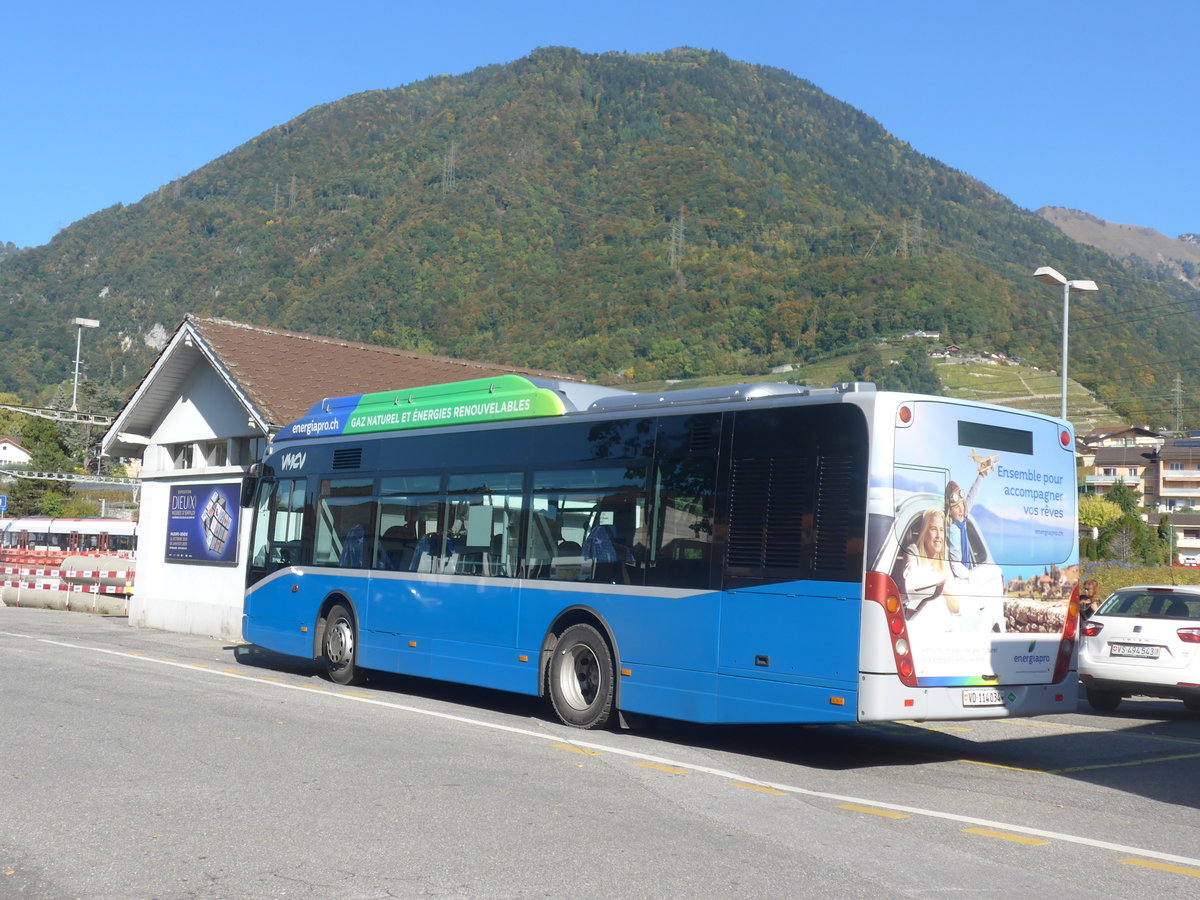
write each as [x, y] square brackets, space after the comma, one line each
[200, 417]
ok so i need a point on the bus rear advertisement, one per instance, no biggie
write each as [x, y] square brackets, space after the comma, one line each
[758, 553]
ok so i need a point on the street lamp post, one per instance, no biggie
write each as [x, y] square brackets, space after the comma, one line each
[80, 325]
[1053, 276]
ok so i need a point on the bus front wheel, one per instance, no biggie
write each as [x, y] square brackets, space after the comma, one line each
[581, 678]
[338, 645]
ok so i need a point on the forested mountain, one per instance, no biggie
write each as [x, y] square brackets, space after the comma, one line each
[8, 248]
[613, 216]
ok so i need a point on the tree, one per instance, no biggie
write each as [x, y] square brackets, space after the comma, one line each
[1130, 540]
[1096, 515]
[868, 365]
[25, 496]
[1097, 512]
[1125, 497]
[1166, 539]
[913, 373]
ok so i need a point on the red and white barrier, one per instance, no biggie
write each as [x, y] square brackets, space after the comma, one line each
[70, 581]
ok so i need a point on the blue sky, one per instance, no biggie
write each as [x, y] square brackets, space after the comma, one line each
[1089, 104]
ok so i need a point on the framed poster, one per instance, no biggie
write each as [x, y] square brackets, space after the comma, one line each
[202, 524]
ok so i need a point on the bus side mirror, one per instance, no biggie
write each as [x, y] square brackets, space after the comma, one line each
[250, 483]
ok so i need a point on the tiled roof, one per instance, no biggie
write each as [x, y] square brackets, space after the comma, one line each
[1177, 451]
[278, 375]
[283, 373]
[1122, 456]
[1113, 431]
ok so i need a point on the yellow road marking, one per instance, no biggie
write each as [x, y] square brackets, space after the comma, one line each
[1132, 762]
[1162, 867]
[1005, 836]
[886, 813]
[674, 770]
[583, 750]
[1053, 726]
[979, 762]
[762, 789]
[938, 729]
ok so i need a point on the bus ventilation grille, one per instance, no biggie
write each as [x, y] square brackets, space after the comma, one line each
[349, 458]
[766, 515]
[835, 495]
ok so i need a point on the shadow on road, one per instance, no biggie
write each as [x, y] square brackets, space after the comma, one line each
[1154, 757]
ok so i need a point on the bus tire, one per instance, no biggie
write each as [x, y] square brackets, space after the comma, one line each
[339, 645]
[1103, 701]
[581, 678]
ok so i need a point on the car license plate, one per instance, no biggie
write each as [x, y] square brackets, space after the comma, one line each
[982, 697]
[1140, 651]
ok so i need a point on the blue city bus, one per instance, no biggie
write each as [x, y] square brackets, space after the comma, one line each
[761, 553]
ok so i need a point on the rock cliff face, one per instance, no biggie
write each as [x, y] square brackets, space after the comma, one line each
[1178, 257]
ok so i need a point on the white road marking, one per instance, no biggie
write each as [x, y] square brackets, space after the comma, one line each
[641, 757]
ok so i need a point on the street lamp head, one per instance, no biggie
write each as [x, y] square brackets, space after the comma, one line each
[1050, 276]
[85, 323]
[1053, 276]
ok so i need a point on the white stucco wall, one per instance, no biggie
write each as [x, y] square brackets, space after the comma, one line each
[10, 453]
[193, 598]
[189, 597]
[206, 408]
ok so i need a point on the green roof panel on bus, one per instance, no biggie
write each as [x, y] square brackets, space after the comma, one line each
[458, 403]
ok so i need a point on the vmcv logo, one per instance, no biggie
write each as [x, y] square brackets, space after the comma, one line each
[291, 461]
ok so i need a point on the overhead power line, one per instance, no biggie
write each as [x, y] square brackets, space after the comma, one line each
[60, 415]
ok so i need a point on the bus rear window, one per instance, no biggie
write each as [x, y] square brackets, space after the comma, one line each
[995, 437]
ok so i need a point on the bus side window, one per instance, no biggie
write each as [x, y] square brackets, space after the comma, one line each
[683, 522]
[409, 512]
[543, 539]
[397, 539]
[591, 523]
[485, 513]
[278, 525]
[345, 523]
[614, 549]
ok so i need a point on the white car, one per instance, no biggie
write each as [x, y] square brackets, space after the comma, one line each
[1143, 640]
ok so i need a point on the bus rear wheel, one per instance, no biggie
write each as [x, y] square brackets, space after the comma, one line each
[581, 678]
[339, 645]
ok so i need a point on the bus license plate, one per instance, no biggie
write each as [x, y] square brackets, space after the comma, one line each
[1141, 651]
[982, 697]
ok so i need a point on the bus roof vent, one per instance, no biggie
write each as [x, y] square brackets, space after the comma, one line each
[854, 387]
[696, 396]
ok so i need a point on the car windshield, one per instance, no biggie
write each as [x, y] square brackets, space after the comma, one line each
[1153, 604]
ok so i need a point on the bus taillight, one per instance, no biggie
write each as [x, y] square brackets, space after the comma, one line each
[1066, 647]
[884, 591]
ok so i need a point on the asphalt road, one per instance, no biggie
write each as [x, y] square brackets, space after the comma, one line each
[139, 764]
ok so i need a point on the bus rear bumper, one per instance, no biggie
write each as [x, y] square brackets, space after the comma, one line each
[882, 698]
